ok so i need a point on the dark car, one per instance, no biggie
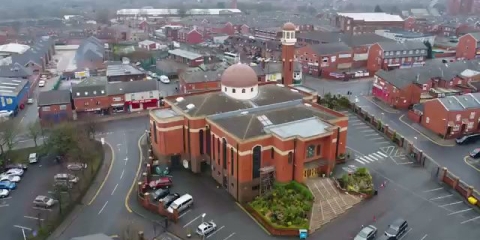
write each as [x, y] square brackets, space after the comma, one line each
[163, 182]
[397, 228]
[385, 237]
[169, 199]
[16, 165]
[160, 193]
[468, 139]
[475, 153]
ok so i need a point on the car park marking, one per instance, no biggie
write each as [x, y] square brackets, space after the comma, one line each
[42, 209]
[358, 124]
[405, 234]
[363, 126]
[34, 218]
[368, 158]
[104, 205]
[115, 188]
[461, 211]
[450, 204]
[213, 233]
[470, 220]
[368, 130]
[4, 205]
[377, 138]
[371, 135]
[441, 197]
[229, 236]
[22, 227]
[186, 225]
[423, 238]
[433, 190]
[183, 214]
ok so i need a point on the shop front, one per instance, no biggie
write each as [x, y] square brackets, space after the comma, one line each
[118, 107]
[379, 91]
[143, 104]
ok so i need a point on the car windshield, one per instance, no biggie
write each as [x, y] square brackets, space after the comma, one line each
[174, 206]
[364, 233]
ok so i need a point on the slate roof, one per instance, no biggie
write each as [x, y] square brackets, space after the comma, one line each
[195, 75]
[450, 104]
[118, 88]
[15, 70]
[90, 87]
[122, 70]
[91, 49]
[405, 46]
[322, 37]
[401, 78]
[93, 237]
[330, 48]
[38, 50]
[475, 35]
[364, 39]
[53, 97]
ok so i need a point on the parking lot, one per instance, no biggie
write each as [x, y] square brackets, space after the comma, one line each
[217, 205]
[23, 216]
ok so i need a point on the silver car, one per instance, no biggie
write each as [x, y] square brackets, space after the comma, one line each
[367, 233]
[44, 202]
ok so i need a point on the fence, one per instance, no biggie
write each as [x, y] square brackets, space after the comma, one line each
[437, 172]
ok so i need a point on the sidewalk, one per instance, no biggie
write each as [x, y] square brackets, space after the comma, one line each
[427, 133]
[102, 173]
[108, 118]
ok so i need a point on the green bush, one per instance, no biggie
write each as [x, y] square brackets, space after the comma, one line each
[360, 181]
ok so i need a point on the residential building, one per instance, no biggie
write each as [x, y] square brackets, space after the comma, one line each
[191, 59]
[392, 55]
[468, 46]
[136, 95]
[361, 23]
[402, 88]
[148, 45]
[258, 133]
[189, 36]
[13, 94]
[325, 59]
[402, 36]
[54, 106]
[451, 116]
[37, 56]
[90, 95]
[124, 73]
[460, 7]
[90, 55]
[199, 79]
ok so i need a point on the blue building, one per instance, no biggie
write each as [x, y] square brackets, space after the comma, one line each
[13, 93]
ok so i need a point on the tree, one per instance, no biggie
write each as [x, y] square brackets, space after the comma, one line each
[130, 231]
[8, 136]
[429, 49]
[182, 11]
[377, 9]
[34, 131]
[102, 16]
[221, 5]
[91, 126]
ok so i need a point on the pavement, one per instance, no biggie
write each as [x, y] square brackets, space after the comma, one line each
[358, 87]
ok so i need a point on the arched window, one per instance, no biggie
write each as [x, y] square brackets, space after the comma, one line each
[233, 90]
[213, 147]
[201, 137]
[224, 153]
[290, 158]
[218, 151]
[209, 141]
[257, 161]
[243, 90]
[310, 151]
[251, 89]
[232, 161]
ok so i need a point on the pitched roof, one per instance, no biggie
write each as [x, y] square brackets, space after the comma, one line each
[364, 39]
[330, 48]
[323, 37]
[14, 71]
[12, 87]
[118, 88]
[397, 46]
[53, 97]
[91, 49]
[475, 35]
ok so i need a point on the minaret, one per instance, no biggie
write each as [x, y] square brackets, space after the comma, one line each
[288, 52]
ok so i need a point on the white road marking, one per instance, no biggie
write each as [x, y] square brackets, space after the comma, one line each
[441, 197]
[377, 138]
[186, 225]
[183, 214]
[464, 210]
[229, 236]
[382, 143]
[371, 134]
[360, 160]
[213, 233]
[450, 204]
[22, 227]
[368, 130]
[121, 175]
[383, 154]
[4, 205]
[372, 156]
[115, 188]
[469, 220]
[357, 124]
[433, 190]
[34, 218]
[369, 159]
[42, 209]
[423, 238]
[104, 205]
[377, 155]
[6, 198]
[405, 234]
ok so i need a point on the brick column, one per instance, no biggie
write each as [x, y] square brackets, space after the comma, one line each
[141, 235]
[149, 169]
[469, 191]
[139, 188]
[410, 147]
[145, 177]
[402, 140]
[444, 173]
[146, 199]
[175, 215]
[419, 156]
[385, 129]
[161, 208]
[456, 180]
[372, 120]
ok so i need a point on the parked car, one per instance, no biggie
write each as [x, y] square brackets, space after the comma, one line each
[4, 193]
[76, 166]
[15, 172]
[30, 101]
[397, 229]
[7, 185]
[63, 185]
[206, 228]
[168, 200]
[10, 178]
[41, 83]
[32, 158]
[66, 177]
[468, 139]
[17, 165]
[367, 233]
[44, 202]
[164, 79]
[475, 153]
[163, 182]
[160, 193]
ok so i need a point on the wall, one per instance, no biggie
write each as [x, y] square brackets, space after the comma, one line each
[194, 87]
[466, 47]
[54, 115]
[154, 94]
[93, 103]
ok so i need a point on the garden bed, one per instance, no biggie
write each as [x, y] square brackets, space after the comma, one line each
[286, 207]
[359, 181]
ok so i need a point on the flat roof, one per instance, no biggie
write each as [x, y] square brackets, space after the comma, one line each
[164, 113]
[304, 128]
[373, 17]
[122, 70]
[185, 54]
[11, 87]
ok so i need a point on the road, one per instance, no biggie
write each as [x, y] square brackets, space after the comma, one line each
[358, 87]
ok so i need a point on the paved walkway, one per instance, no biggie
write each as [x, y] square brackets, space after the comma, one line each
[429, 134]
[329, 202]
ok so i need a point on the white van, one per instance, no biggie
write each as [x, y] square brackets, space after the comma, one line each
[164, 79]
[32, 158]
[181, 204]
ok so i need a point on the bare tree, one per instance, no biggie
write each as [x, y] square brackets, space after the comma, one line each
[91, 126]
[8, 136]
[34, 131]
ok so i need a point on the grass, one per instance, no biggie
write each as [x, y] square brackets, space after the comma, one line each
[21, 155]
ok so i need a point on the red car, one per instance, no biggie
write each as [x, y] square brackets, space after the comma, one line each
[163, 182]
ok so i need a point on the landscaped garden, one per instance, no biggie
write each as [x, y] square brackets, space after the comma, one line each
[286, 206]
[359, 181]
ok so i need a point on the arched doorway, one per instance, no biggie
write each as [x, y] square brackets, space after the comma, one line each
[257, 161]
[201, 141]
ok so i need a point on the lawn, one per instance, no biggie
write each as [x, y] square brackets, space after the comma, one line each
[286, 206]
[21, 155]
[360, 181]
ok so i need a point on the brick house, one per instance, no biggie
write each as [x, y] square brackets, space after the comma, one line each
[452, 116]
[133, 96]
[191, 59]
[325, 59]
[189, 36]
[54, 106]
[468, 46]
[392, 55]
[402, 88]
[90, 95]
[197, 79]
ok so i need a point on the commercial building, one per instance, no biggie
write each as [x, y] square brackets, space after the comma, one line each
[401, 35]
[90, 95]
[393, 55]
[124, 73]
[54, 106]
[13, 94]
[361, 23]
[191, 59]
[133, 96]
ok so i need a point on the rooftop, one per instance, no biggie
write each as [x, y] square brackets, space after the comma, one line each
[53, 97]
[14, 48]
[117, 88]
[122, 70]
[164, 113]
[185, 54]
[373, 17]
[303, 128]
[10, 87]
